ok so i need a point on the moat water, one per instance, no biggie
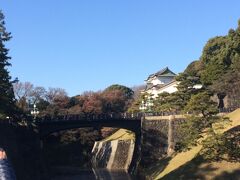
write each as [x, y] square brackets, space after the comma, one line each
[73, 173]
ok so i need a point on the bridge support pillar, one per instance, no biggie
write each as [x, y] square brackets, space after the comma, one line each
[170, 149]
[137, 150]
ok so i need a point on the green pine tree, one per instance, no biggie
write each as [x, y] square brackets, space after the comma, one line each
[7, 100]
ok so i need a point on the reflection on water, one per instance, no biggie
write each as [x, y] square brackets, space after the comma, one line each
[99, 174]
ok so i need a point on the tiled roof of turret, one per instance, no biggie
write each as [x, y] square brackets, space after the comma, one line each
[164, 72]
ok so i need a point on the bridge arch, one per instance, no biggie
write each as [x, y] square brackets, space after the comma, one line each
[45, 128]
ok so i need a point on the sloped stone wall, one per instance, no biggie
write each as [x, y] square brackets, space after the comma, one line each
[115, 154]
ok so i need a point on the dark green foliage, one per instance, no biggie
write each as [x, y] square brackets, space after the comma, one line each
[216, 59]
[7, 99]
[224, 146]
[214, 147]
[42, 104]
[194, 68]
[218, 70]
[190, 133]
[73, 101]
[186, 88]
[201, 104]
[162, 103]
[219, 56]
[126, 91]
[221, 59]
[166, 102]
[203, 127]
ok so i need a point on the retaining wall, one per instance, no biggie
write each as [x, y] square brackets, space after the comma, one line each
[114, 155]
[167, 130]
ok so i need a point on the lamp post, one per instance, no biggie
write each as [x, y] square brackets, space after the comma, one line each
[35, 111]
[143, 107]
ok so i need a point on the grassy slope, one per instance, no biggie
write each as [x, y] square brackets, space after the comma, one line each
[235, 117]
[121, 134]
[183, 159]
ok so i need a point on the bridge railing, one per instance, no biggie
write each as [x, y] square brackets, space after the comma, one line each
[90, 117]
[162, 113]
[112, 116]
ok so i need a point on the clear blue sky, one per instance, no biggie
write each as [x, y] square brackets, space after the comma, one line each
[82, 45]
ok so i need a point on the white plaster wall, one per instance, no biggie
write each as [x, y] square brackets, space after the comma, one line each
[170, 89]
[161, 80]
[156, 81]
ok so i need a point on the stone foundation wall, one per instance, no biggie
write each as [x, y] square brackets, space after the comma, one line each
[115, 154]
[165, 129]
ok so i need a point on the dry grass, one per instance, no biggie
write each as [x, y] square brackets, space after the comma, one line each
[179, 160]
[121, 134]
[183, 158]
[235, 118]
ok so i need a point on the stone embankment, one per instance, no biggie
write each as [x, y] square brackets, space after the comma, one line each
[115, 152]
[167, 130]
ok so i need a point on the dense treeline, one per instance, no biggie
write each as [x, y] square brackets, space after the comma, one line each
[55, 101]
[18, 98]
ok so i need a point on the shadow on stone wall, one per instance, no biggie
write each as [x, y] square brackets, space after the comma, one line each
[154, 147]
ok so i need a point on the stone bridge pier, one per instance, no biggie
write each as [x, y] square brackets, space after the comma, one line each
[162, 132]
